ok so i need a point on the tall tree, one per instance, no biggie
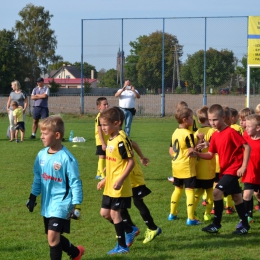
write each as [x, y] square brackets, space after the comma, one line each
[219, 67]
[144, 64]
[86, 69]
[37, 39]
[110, 79]
[11, 61]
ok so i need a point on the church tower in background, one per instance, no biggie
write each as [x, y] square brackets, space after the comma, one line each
[120, 61]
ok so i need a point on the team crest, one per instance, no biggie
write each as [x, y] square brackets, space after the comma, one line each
[111, 148]
[56, 166]
[42, 162]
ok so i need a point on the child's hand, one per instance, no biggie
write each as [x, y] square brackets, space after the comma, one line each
[145, 161]
[240, 171]
[200, 136]
[117, 185]
[101, 184]
[202, 146]
[192, 152]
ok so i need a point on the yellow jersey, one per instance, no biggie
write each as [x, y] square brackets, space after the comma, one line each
[195, 125]
[238, 128]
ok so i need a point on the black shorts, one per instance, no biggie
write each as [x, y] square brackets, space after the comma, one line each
[56, 224]
[20, 126]
[229, 185]
[250, 186]
[204, 184]
[140, 192]
[116, 203]
[188, 182]
[40, 112]
[99, 150]
[216, 177]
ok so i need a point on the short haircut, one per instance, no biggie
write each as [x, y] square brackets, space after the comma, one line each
[243, 113]
[257, 109]
[181, 105]
[255, 118]
[234, 112]
[54, 124]
[14, 103]
[216, 109]
[227, 112]
[17, 84]
[122, 115]
[99, 100]
[111, 115]
[183, 113]
[202, 114]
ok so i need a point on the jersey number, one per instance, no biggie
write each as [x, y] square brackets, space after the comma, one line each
[176, 149]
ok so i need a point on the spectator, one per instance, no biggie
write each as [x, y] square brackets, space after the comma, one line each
[18, 95]
[40, 96]
[127, 96]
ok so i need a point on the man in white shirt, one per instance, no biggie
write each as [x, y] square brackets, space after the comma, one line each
[127, 96]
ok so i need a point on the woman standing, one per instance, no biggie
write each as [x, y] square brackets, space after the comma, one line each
[21, 98]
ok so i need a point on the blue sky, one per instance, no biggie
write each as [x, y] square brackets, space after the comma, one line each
[103, 38]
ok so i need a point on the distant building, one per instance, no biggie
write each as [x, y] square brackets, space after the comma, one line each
[69, 77]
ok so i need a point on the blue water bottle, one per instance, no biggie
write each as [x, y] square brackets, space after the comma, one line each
[71, 135]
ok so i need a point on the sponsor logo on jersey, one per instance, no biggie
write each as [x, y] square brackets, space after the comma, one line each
[111, 148]
[46, 177]
[111, 159]
[56, 166]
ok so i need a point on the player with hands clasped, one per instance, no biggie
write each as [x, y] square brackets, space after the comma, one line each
[233, 154]
[56, 178]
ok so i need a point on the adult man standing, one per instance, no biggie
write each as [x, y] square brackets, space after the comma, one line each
[127, 96]
[40, 96]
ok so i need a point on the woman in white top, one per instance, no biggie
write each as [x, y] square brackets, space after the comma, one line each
[21, 98]
[127, 96]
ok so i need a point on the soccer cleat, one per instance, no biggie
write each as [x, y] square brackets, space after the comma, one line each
[129, 237]
[32, 137]
[212, 211]
[204, 203]
[151, 234]
[81, 252]
[172, 217]
[193, 222]
[242, 230]
[118, 250]
[230, 210]
[17, 141]
[257, 208]
[171, 179]
[99, 178]
[207, 217]
[212, 228]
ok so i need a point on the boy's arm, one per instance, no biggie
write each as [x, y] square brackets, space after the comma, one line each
[144, 160]
[104, 145]
[241, 170]
[15, 119]
[130, 165]
[206, 156]
[101, 184]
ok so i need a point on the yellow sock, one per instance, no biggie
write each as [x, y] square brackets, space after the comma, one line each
[229, 201]
[209, 205]
[190, 203]
[197, 195]
[204, 197]
[176, 195]
[101, 166]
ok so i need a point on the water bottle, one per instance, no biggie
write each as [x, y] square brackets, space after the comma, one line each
[71, 135]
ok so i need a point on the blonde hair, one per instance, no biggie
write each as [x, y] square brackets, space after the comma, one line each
[54, 124]
[202, 114]
[17, 84]
[183, 113]
[243, 113]
[257, 109]
[181, 104]
[255, 118]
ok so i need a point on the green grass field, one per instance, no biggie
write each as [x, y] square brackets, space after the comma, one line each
[22, 235]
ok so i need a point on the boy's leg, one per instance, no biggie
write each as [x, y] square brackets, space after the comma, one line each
[22, 135]
[240, 207]
[176, 195]
[190, 203]
[126, 218]
[70, 249]
[247, 197]
[55, 245]
[209, 205]
[105, 213]
[16, 134]
[218, 206]
[197, 194]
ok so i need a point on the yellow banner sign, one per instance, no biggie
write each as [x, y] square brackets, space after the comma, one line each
[253, 40]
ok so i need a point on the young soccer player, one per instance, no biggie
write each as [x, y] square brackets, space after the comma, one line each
[257, 109]
[251, 178]
[234, 119]
[205, 169]
[233, 154]
[242, 114]
[18, 120]
[56, 178]
[139, 192]
[117, 185]
[101, 139]
[183, 166]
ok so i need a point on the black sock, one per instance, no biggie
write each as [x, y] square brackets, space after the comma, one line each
[218, 207]
[69, 248]
[145, 213]
[247, 204]
[241, 211]
[56, 252]
[127, 220]
[251, 208]
[120, 232]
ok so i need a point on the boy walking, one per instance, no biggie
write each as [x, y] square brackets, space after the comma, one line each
[56, 178]
[233, 154]
[117, 185]
[101, 139]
